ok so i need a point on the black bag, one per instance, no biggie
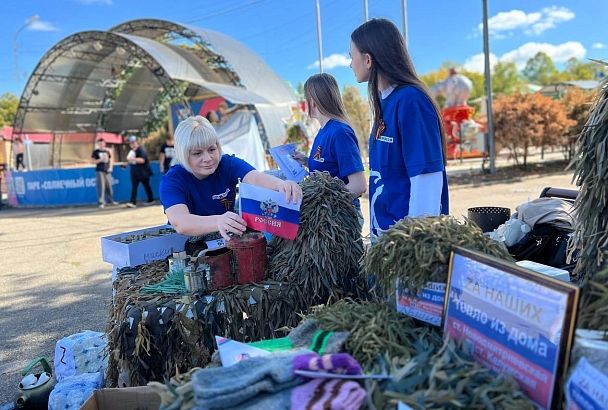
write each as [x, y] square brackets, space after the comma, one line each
[544, 244]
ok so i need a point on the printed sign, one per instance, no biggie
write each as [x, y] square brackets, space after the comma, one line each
[587, 388]
[283, 156]
[512, 320]
[426, 306]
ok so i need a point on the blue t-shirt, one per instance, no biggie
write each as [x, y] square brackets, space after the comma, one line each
[213, 195]
[336, 151]
[409, 145]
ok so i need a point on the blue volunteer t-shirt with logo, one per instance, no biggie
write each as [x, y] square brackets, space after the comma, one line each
[213, 195]
[409, 145]
[336, 151]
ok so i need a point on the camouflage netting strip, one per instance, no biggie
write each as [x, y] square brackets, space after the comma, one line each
[445, 378]
[591, 175]
[324, 257]
[417, 250]
[155, 336]
[376, 330]
[427, 372]
[593, 310]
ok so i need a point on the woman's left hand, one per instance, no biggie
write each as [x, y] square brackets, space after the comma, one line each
[292, 191]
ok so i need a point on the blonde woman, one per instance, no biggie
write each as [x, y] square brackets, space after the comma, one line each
[198, 193]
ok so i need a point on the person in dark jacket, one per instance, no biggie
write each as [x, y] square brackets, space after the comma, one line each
[140, 171]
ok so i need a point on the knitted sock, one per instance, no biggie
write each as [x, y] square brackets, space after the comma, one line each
[324, 394]
[308, 335]
[341, 363]
[225, 387]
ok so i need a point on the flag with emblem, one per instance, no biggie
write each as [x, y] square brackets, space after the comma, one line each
[266, 210]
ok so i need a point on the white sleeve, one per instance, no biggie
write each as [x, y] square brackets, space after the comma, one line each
[425, 194]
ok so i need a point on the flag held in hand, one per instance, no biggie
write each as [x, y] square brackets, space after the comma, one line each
[266, 210]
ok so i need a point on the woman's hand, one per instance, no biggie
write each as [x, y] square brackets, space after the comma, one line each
[230, 222]
[292, 191]
[300, 157]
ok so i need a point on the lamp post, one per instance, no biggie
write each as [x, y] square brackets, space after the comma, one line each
[488, 86]
[28, 22]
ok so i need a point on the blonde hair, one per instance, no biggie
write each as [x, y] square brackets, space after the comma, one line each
[193, 133]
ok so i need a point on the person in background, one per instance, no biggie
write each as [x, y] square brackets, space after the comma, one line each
[140, 171]
[102, 158]
[335, 148]
[166, 155]
[18, 150]
[198, 193]
[213, 118]
[407, 142]
[224, 113]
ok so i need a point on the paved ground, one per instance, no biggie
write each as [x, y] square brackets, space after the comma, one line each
[53, 282]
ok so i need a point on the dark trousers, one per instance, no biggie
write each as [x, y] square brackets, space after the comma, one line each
[135, 184]
[19, 162]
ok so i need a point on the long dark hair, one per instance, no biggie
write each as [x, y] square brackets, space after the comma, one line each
[381, 39]
[324, 91]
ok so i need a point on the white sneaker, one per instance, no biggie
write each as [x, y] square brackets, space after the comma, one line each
[131, 205]
[149, 203]
[102, 206]
[114, 203]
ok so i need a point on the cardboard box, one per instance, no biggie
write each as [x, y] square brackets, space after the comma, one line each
[128, 398]
[143, 251]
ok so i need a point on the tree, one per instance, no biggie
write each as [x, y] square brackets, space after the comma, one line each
[358, 113]
[526, 120]
[577, 103]
[576, 70]
[540, 69]
[505, 79]
[8, 109]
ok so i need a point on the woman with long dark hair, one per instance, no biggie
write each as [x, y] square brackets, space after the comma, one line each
[407, 142]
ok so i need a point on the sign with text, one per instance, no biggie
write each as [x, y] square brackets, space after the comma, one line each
[427, 305]
[512, 320]
[283, 156]
[587, 388]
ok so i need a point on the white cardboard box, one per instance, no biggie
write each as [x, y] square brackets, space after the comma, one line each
[143, 251]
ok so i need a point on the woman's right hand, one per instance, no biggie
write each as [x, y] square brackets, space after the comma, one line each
[230, 222]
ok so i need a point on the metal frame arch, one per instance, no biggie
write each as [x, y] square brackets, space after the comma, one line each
[112, 40]
[167, 27]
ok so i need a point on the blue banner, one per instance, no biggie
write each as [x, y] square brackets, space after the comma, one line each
[75, 186]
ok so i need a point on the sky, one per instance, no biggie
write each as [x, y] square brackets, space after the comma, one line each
[283, 32]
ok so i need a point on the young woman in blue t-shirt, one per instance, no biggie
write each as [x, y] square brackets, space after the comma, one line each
[335, 148]
[407, 142]
[198, 193]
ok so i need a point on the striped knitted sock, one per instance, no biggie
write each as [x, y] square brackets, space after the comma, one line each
[328, 394]
[341, 363]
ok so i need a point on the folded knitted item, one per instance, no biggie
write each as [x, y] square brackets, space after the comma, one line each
[328, 394]
[341, 363]
[226, 387]
[310, 336]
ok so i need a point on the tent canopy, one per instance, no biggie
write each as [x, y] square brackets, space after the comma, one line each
[116, 80]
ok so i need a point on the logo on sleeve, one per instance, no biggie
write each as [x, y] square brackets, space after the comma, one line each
[317, 156]
[223, 198]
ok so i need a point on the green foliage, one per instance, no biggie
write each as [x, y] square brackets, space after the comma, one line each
[540, 69]
[8, 108]
[505, 79]
[577, 70]
[358, 113]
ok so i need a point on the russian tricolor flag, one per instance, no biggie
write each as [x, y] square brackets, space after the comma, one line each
[266, 210]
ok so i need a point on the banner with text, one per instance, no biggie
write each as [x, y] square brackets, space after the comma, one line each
[510, 323]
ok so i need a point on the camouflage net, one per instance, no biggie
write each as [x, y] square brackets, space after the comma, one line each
[324, 257]
[156, 336]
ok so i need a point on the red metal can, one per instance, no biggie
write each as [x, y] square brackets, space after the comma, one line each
[249, 257]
